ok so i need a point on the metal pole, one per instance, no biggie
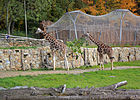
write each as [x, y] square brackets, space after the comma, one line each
[100, 35]
[75, 30]
[74, 20]
[25, 17]
[123, 14]
[57, 37]
[135, 38]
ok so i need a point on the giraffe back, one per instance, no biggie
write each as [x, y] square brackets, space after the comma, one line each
[54, 43]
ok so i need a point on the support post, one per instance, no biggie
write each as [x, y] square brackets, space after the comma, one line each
[75, 30]
[57, 37]
[74, 20]
[121, 20]
[135, 38]
[100, 35]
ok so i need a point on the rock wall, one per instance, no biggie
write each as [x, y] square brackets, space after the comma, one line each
[24, 59]
[22, 42]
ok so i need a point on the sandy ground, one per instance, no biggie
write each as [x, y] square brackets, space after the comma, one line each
[4, 74]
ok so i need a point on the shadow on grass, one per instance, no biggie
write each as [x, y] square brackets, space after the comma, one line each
[132, 63]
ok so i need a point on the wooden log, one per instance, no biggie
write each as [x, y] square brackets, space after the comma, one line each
[63, 93]
[110, 97]
[63, 88]
[114, 86]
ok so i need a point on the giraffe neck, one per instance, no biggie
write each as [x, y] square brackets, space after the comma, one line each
[50, 38]
[94, 40]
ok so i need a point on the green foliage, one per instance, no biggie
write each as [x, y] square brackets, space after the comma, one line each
[79, 4]
[16, 10]
[96, 79]
[76, 45]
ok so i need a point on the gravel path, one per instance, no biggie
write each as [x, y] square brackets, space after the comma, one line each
[4, 74]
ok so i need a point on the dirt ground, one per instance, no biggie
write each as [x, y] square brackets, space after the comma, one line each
[4, 74]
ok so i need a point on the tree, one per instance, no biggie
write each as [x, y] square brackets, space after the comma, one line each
[137, 11]
[112, 5]
[15, 12]
[128, 4]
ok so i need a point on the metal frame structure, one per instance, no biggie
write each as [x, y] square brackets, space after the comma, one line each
[117, 27]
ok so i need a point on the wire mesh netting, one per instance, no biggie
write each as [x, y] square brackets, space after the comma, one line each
[117, 27]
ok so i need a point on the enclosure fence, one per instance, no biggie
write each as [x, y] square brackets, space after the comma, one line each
[117, 27]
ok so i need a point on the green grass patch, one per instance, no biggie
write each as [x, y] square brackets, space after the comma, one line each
[94, 46]
[22, 47]
[96, 79]
[132, 63]
[125, 45]
[90, 46]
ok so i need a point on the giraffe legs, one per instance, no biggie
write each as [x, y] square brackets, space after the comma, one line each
[53, 60]
[66, 61]
[111, 60]
[101, 58]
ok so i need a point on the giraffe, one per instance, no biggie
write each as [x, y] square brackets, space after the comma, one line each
[102, 50]
[55, 45]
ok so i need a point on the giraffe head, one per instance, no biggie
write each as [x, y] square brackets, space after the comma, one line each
[42, 30]
[39, 31]
[86, 34]
[44, 24]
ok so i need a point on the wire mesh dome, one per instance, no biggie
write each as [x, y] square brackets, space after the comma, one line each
[118, 26]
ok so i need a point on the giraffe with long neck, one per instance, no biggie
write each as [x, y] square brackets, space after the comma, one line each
[102, 50]
[55, 45]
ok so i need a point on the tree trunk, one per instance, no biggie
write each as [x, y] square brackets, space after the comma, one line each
[9, 26]
[7, 15]
[25, 17]
[12, 27]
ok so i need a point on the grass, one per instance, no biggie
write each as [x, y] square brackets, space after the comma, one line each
[125, 45]
[96, 79]
[94, 46]
[132, 63]
[90, 46]
[22, 47]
